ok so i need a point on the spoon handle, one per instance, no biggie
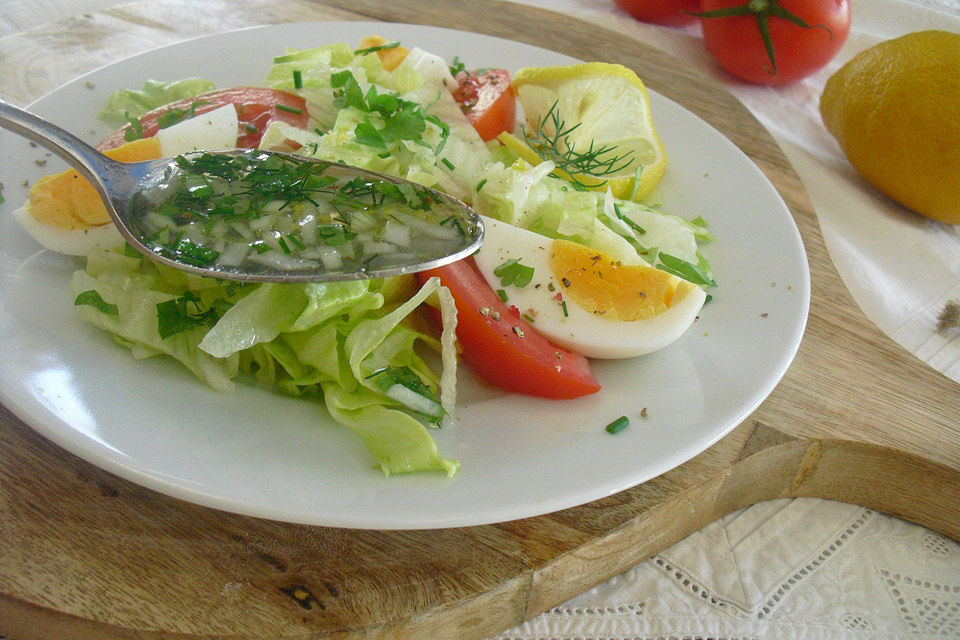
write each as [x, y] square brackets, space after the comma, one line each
[81, 156]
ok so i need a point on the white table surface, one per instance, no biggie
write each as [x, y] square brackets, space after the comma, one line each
[783, 569]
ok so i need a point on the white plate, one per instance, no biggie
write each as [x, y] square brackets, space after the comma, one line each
[263, 454]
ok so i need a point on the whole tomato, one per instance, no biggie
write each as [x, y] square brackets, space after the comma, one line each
[774, 42]
[673, 13]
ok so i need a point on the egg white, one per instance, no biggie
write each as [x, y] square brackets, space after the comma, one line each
[578, 330]
[216, 129]
[210, 131]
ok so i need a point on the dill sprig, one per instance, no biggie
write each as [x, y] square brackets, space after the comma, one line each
[551, 141]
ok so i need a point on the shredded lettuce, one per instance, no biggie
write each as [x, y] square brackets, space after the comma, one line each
[131, 103]
[321, 340]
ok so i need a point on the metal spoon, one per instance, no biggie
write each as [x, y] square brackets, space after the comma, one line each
[126, 187]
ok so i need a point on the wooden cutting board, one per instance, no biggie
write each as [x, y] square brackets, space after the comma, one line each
[86, 555]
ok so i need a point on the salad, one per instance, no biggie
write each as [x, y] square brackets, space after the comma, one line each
[568, 271]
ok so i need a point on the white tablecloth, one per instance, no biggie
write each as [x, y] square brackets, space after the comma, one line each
[785, 569]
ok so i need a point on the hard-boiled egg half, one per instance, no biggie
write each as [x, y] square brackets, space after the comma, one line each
[65, 213]
[583, 299]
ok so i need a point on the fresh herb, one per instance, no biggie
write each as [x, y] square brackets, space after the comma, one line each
[551, 141]
[184, 250]
[627, 221]
[297, 79]
[502, 295]
[457, 66]
[512, 272]
[283, 107]
[405, 377]
[396, 119]
[380, 47]
[480, 184]
[92, 299]
[695, 273]
[423, 400]
[134, 131]
[618, 425]
[175, 116]
[182, 314]
[448, 164]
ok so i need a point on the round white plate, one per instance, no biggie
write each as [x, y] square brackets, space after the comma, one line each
[264, 454]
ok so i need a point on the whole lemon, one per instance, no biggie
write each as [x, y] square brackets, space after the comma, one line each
[895, 110]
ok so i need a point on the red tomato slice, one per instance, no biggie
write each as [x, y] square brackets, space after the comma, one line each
[488, 101]
[256, 108]
[501, 348]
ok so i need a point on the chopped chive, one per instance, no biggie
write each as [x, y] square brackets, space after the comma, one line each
[448, 164]
[563, 305]
[502, 295]
[251, 128]
[388, 45]
[480, 184]
[528, 318]
[633, 225]
[296, 241]
[618, 425]
[297, 79]
[283, 245]
[283, 107]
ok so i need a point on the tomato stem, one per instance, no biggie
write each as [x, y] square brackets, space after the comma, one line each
[762, 10]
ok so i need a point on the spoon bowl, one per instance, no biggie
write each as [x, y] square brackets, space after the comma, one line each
[261, 216]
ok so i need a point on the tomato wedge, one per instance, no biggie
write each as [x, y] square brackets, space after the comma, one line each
[488, 101]
[256, 108]
[501, 348]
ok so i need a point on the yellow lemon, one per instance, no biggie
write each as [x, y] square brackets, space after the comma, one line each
[594, 121]
[895, 111]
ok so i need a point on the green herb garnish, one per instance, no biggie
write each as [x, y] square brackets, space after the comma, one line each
[457, 66]
[695, 273]
[618, 425]
[134, 131]
[551, 141]
[512, 272]
[182, 314]
[175, 116]
[92, 299]
[380, 47]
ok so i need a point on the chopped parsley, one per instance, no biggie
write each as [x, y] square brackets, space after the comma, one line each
[512, 272]
[92, 299]
[182, 314]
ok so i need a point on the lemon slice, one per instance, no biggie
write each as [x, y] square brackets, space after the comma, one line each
[602, 109]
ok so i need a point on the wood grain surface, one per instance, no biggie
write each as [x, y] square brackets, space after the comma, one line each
[86, 555]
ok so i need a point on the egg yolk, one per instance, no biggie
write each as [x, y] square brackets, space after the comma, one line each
[67, 200]
[609, 288]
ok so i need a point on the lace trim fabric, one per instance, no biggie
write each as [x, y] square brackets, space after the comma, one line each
[858, 574]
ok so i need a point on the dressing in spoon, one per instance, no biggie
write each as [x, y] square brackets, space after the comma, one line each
[265, 216]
